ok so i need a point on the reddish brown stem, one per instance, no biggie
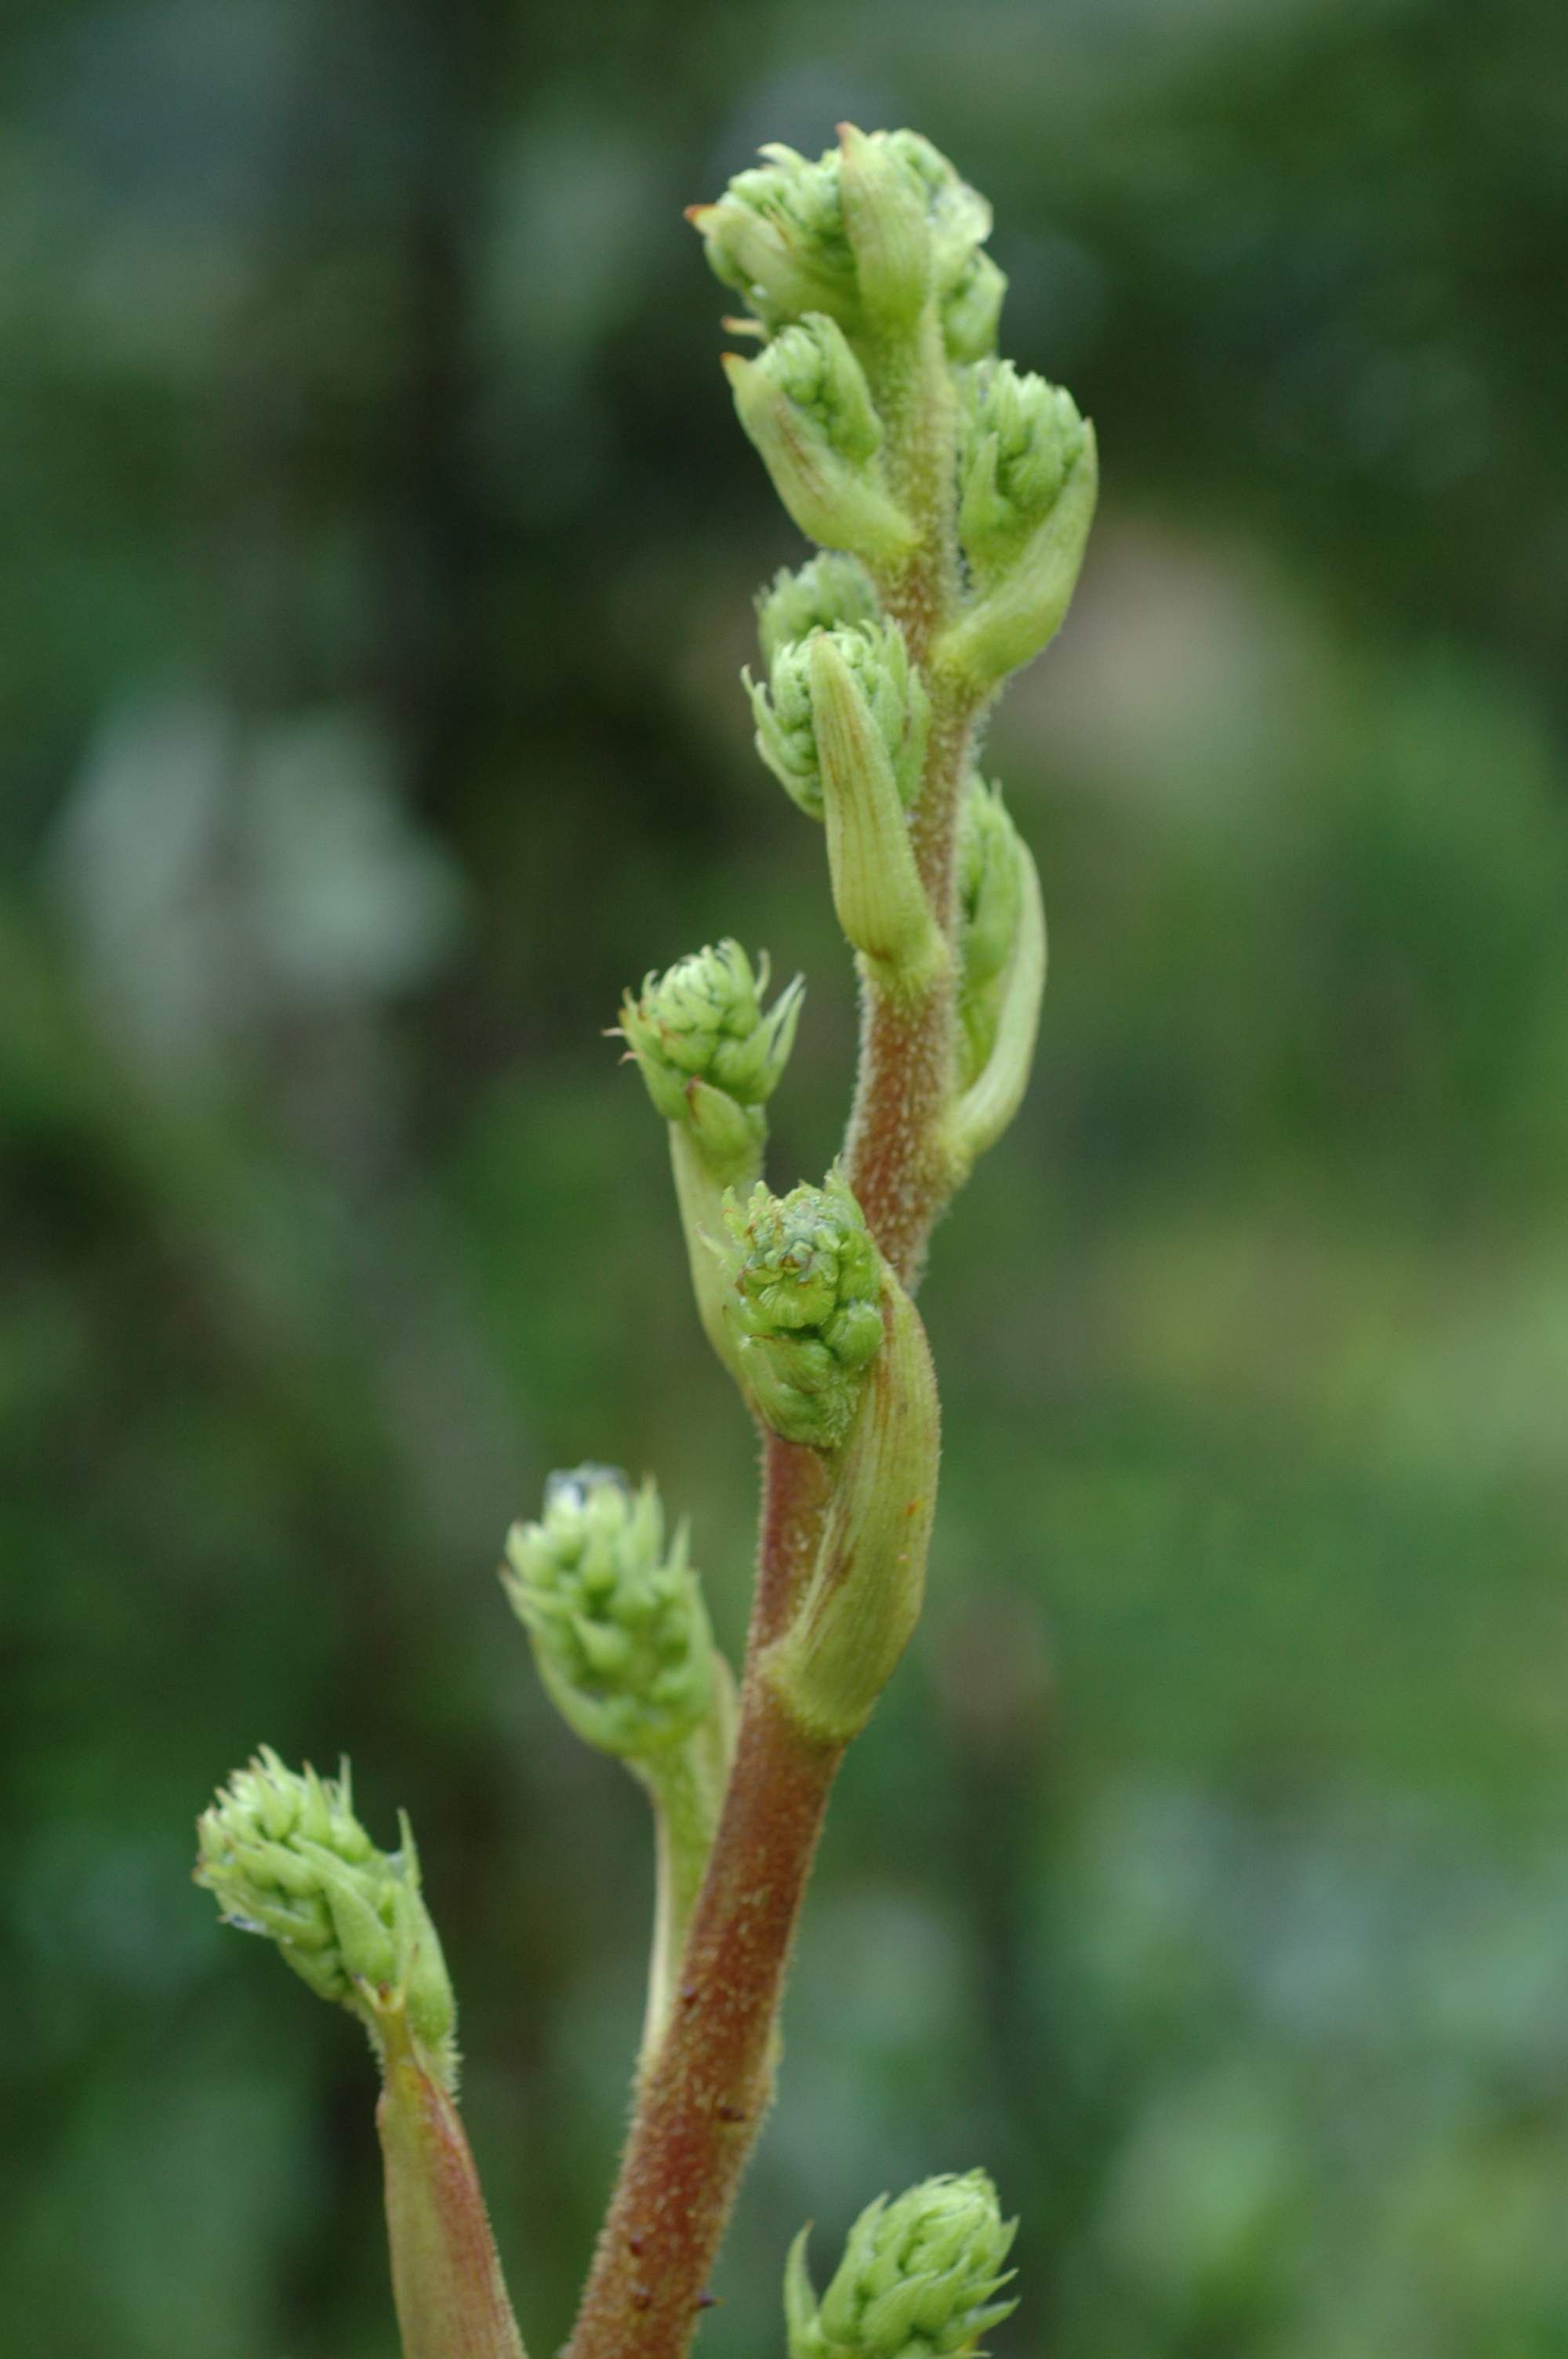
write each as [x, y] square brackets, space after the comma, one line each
[699, 2109]
[795, 1499]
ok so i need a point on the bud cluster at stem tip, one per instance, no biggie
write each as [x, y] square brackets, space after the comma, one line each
[918, 2280]
[804, 1300]
[619, 1628]
[866, 235]
[709, 1055]
[284, 1856]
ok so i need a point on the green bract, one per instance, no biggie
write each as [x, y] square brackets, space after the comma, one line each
[918, 2280]
[990, 895]
[805, 1304]
[283, 1855]
[878, 660]
[827, 590]
[620, 1632]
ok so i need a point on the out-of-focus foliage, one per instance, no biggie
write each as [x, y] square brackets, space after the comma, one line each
[376, 550]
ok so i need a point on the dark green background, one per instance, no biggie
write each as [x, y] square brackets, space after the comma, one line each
[376, 546]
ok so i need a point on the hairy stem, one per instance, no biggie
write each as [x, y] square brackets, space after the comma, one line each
[451, 2300]
[686, 1787]
[701, 2102]
[895, 1157]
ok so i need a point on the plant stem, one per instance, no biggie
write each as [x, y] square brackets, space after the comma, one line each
[701, 2102]
[686, 1789]
[895, 1159]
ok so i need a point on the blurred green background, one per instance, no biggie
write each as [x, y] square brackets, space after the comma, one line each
[376, 547]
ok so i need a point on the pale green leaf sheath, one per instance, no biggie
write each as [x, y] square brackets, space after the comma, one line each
[712, 1057]
[624, 1646]
[919, 2279]
[285, 1857]
[1002, 950]
[836, 1359]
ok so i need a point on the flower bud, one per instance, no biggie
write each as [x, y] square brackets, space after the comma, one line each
[709, 1056]
[283, 1855]
[990, 894]
[918, 2280]
[805, 405]
[861, 234]
[777, 238]
[830, 589]
[1022, 436]
[971, 312]
[874, 656]
[619, 1628]
[884, 206]
[804, 1301]
[1026, 572]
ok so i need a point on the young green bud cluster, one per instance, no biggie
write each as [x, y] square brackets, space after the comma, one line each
[807, 406]
[711, 1056]
[1022, 438]
[874, 656]
[990, 895]
[283, 1855]
[804, 1300]
[865, 234]
[618, 1625]
[813, 363]
[1028, 481]
[830, 589]
[777, 236]
[918, 2280]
